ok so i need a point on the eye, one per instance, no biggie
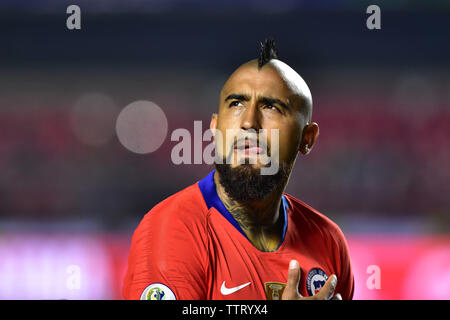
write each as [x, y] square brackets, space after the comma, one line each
[235, 103]
[272, 107]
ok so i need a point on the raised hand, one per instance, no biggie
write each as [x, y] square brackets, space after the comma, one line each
[291, 290]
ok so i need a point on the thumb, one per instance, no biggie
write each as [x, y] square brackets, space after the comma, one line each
[293, 279]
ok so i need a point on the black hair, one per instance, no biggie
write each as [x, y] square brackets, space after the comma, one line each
[268, 52]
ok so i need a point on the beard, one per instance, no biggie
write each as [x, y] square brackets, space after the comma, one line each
[246, 183]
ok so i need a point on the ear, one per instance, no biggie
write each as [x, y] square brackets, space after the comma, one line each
[309, 137]
[213, 123]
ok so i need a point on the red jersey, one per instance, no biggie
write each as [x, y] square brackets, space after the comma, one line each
[190, 247]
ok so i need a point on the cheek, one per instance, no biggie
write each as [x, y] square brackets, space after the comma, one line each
[288, 141]
[224, 137]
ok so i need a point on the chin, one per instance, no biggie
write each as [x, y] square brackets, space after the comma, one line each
[244, 182]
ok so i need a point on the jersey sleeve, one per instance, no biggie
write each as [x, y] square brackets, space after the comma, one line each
[346, 285]
[168, 251]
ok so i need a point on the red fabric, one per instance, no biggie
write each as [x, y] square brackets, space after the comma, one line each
[193, 251]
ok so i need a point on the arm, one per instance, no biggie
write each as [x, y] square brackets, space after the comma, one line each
[167, 248]
[346, 284]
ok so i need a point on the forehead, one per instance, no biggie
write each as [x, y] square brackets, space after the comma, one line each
[251, 80]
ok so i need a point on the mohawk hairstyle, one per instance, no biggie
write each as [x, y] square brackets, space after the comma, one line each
[268, 52]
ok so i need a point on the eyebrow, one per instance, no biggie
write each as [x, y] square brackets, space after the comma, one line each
[245, 97]
[268, 100]
[238, 96]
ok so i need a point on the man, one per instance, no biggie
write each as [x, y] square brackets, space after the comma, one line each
[235, 234]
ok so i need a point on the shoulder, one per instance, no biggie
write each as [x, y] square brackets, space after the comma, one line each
[314, 221]
[185, 208]
[188, 199]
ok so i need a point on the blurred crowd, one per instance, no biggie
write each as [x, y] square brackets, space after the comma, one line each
[381, 100]
[382, 151]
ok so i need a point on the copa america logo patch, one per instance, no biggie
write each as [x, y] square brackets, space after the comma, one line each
[315, 281]
[157, 291]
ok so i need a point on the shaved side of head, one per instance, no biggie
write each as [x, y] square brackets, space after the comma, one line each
[295, 83]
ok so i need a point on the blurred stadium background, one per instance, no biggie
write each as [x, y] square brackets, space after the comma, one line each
[71, 194]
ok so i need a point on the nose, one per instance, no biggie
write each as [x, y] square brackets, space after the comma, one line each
[250, 118]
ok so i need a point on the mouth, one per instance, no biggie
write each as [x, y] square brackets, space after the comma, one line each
[248, 147]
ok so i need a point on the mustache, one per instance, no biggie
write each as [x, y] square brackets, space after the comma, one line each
[252, 142]
[242, 141]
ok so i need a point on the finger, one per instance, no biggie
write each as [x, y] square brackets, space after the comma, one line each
[337, 296]
[293, 279]
[328, 289]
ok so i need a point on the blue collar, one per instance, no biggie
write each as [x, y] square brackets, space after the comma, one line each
[208, 190]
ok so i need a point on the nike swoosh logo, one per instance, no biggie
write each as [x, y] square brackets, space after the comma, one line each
[226, 291]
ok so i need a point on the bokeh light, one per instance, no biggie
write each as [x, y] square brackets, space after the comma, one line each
[142, 127]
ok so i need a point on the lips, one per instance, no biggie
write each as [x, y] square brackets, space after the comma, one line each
[248, 147]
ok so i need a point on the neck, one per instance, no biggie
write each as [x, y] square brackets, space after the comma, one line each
[260, 220]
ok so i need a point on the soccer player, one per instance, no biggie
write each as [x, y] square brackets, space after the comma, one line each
[235, 234]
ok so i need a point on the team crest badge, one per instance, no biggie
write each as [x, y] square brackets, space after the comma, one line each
[157, 291]
[315, 281]
[274, 290]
